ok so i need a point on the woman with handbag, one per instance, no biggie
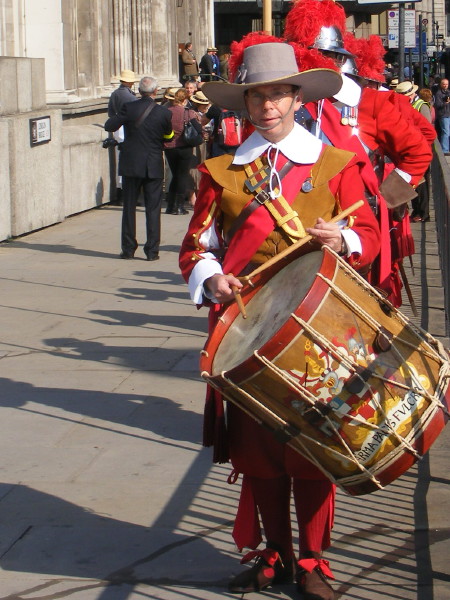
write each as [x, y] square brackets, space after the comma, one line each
[179, 152]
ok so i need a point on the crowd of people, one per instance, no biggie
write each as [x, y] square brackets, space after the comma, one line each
[318, 120]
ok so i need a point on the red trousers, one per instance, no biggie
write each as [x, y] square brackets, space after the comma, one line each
[272, 471]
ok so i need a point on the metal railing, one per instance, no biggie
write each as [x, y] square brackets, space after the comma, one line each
[440, 178]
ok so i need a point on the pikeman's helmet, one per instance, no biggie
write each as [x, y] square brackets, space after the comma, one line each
[330, 40]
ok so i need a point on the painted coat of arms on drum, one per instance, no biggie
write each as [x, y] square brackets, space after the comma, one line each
[334, 370]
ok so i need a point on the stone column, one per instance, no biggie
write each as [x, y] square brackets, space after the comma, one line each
[143, 33]
[44, 38]
[123, 58]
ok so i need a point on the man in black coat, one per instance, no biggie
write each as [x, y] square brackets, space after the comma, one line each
[207, 65]
[118, 98]
[147, 126]
[123, 94]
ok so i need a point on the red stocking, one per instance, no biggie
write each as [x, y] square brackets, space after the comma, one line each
[272, 497]
[314, 505]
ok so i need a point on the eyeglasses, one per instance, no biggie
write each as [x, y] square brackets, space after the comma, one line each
[258, 99]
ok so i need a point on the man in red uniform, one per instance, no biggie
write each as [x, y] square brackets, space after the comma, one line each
[226, 237]
[366, 121]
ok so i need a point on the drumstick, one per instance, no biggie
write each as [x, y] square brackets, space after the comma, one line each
[342, 215]
[238, 298]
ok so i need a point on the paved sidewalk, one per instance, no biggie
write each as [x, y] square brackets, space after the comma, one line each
[106, 493]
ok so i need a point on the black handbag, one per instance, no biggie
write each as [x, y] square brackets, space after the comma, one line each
[192, 132]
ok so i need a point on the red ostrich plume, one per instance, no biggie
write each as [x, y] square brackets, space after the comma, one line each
[369, 61]
[310, 58]
[307, 17]
[237, 49]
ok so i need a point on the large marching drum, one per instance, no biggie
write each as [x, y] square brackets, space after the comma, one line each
[333, 369]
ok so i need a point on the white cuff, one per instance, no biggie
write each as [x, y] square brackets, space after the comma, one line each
[206, 267]
[406, 176]
[352, 242]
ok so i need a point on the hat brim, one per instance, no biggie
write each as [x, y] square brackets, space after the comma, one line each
[414, 90]
[410, 93]
[127, 79]
[315, 84]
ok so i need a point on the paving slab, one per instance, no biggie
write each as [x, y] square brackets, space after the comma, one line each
[106, 492]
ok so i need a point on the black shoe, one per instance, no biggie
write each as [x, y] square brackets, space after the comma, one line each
[126, 255]
[267, 570]
[153, 257]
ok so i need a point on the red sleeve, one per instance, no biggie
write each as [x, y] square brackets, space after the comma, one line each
[205, 210]
[348, 187]
[413, 116]
[382, 124]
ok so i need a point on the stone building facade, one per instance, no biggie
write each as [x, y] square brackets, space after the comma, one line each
[61, 59]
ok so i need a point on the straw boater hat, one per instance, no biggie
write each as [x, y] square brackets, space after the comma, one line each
[272, 63]
[127, 76]
[406, 88]
[394, 83]
[199, 98]
[211, 49]
[169, 94]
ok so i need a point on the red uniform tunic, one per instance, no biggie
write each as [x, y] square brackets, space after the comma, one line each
[413, 116]
[345, 137]
[388, 134]
[382, 126]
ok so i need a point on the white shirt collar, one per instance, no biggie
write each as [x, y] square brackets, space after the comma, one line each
[299, 146]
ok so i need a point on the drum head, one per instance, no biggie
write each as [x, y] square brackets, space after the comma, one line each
[267, 312]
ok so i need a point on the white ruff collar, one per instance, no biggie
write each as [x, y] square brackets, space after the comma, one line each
[299, 146]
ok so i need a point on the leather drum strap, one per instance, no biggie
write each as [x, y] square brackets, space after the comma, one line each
[258, 201]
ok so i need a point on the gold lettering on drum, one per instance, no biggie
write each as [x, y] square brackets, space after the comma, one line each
[398, 419]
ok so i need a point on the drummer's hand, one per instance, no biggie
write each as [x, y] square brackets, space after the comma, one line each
[220, 287]
[327, 234]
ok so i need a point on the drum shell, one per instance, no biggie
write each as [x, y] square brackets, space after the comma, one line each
[264, 386]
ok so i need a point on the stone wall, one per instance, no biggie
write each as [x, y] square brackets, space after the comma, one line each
[41, 184]
[89, 169]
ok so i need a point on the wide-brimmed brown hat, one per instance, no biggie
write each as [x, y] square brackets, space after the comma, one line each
[127, 76]
[268, 64]
[199, 98]
[406, 88]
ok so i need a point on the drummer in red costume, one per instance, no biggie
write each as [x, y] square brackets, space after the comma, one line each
[225, 238]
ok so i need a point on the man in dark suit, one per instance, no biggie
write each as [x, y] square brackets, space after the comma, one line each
[118, 98]
[147, 126]
[207, 65]
[123, 94]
